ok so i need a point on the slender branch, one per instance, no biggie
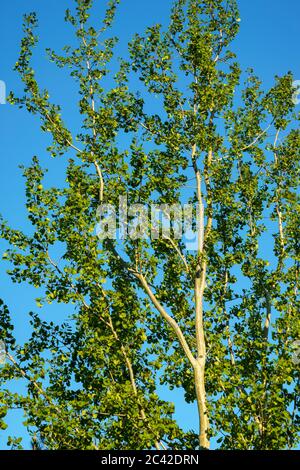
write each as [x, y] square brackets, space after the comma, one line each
[129, 367]
[181, 255]
[201, 206]
[223, 301]
[100, 175]
[278, 209]
[257, 138]
[219, 48]
[267, 323]
[170, 320]
[57, 268]
[98, 169]
[172, 242]
[209, 193]
[282, 247]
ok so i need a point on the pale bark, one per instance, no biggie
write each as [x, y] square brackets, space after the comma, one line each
[170, 320]
[199, 287]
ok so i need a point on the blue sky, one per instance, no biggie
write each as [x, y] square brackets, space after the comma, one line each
[268, 42]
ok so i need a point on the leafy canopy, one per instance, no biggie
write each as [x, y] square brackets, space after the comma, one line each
[218, 322]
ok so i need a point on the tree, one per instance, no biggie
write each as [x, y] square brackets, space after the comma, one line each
[218, 321]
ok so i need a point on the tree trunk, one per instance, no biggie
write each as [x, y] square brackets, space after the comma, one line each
[199, 370]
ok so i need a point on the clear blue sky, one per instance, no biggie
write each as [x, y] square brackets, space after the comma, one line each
[268, 42]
